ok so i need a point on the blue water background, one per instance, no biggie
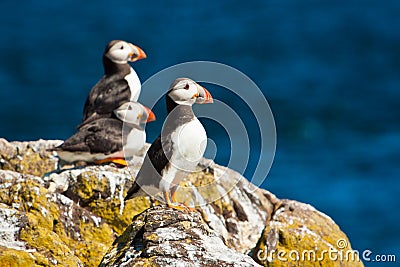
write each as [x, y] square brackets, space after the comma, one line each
[330, 71]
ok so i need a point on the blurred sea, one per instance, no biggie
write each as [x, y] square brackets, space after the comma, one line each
[330, 71]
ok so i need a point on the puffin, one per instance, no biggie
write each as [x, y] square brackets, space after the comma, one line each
[102, 140]
[120, 83]
[178, 149]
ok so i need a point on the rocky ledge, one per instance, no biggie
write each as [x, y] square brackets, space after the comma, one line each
[77, 217]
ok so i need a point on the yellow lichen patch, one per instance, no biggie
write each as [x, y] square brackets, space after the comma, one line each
[299, 235]
[95, 240]
[109, 211]
[135, 206]
[207, 186]
[54, 240]
[88, 184]
[153, 237]
[17, 258]
[61, 232]
[199, 179]
[203, 183]
[90, 253]
[48, 243]
[27, 157]
[102, 234]
[32, 163]
[101, 195]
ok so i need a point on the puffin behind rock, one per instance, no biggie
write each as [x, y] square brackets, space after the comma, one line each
[178, 149]
[101, 140]
[119, 84]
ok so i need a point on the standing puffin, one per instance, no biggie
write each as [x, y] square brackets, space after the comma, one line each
[101, 140]
[119, 84]
[180, 146]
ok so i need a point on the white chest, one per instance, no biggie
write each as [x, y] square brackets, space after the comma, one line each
[189, 144]
[134, 84]
[135, 142]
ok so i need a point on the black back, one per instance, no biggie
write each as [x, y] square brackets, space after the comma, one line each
[109, 93]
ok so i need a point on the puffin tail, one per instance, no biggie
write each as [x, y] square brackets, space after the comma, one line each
[132, 191]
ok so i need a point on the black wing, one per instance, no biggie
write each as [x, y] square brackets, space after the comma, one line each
[100, 136]
[104, 98]
[160, 153]
[157, 158]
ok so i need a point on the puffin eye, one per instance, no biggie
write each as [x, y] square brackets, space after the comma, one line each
[186, 86]
[122, 47]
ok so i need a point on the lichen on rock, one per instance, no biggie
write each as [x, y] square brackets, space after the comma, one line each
[72, 217]
[26, 196]
[28, 157]
[299, 235]
[68, 217]
[101, 190]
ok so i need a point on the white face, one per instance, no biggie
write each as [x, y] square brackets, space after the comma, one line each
[122, 52]
[184, 91]
[132, 113]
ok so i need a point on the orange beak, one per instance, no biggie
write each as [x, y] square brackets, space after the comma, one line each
[150, 115]
[208, 97]
[204, 97]
[137, 55]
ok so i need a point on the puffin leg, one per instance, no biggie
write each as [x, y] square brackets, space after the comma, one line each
[182, 206]
[202, 212]
[173, 193]
[119, 161]
[173, 199]
[172, 204]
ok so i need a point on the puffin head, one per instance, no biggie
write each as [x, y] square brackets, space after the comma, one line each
[184, 91]
[134, 113]
[120, 52]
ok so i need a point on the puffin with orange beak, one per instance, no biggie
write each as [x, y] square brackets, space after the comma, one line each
[119, 84]
[107, 140]
[178, 149]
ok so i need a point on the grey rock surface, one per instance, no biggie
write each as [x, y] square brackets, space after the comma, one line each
[162, 236]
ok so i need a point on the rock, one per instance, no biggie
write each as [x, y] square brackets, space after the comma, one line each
[46, 227]
[162, 236]
[28, 157]
[233, 206]
[36, 229]
[71, 217]
[299, 235]
[101, 190]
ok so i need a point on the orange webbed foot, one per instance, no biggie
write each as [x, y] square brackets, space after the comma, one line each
[119, 161]
[172, 203]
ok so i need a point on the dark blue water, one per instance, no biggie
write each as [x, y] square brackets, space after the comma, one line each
[330, 71]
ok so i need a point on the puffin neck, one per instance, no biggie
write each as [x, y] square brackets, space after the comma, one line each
[177, 115]
[171, 105]
[111, 68]
[128, 127]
